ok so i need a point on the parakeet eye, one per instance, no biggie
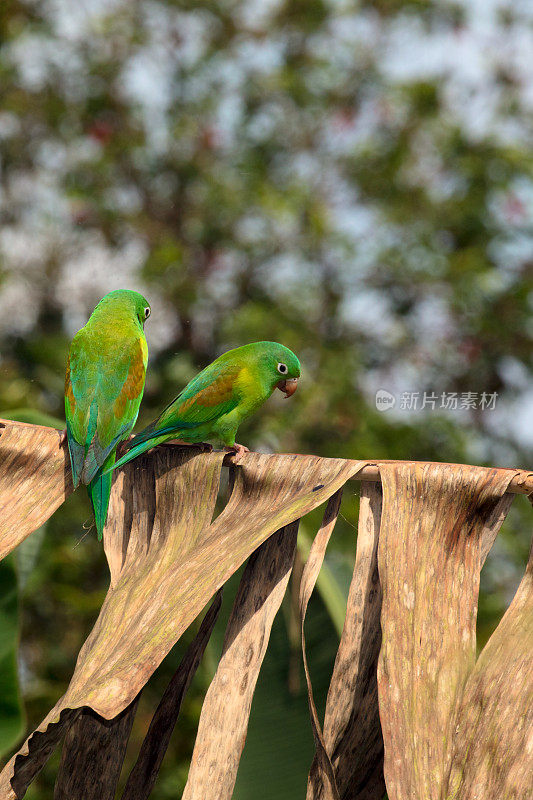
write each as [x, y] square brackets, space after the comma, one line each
[282, 368]
[147, 312]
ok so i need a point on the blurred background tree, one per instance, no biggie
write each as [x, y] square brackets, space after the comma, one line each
[352, 179]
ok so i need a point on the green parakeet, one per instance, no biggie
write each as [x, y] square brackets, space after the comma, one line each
[104, 385]
[218, 399]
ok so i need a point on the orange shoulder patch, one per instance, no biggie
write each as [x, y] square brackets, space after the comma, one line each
[217, 392]
[133, 385]
[69, 393]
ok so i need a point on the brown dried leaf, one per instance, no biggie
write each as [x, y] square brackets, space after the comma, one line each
[322, 768]
[226, 709]
[434, 519]
[492, 755]
[167, 559]
[40, 746]
[493, 524]
[92, 755]
[144, 774]
[352, 730]
[34, 480]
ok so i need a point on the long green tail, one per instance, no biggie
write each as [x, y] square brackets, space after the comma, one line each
[99, 490]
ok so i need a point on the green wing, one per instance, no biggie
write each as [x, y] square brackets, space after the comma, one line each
[210, 395]
[103, 390]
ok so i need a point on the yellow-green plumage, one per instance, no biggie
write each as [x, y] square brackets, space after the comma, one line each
[218, 399]
[104, 384]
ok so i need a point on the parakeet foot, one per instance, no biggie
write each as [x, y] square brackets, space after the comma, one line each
[123, 446]
[239, 450]
[62, 437]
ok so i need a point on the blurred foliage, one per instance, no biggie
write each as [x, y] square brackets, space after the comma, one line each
[353, 181]
[12, 721]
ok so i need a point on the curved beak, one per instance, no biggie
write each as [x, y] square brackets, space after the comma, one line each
[289, 386]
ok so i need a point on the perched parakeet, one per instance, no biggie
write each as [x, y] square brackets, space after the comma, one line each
[218, 399]
[104, 385]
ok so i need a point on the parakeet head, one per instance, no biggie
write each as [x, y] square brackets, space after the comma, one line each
[278, 365]
[124, 301]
